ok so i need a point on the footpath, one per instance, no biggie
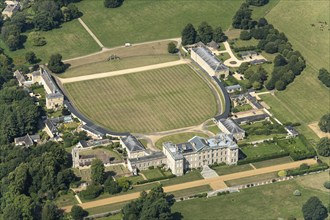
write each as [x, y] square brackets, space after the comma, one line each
[216, 183]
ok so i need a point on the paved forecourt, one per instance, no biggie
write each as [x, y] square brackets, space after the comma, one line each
[216, 183]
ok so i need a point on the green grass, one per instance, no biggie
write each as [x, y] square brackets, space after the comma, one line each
[135, 179]
[101, 150]
[113, 217]
[223, 56]
[106, 208]
[188, 177]
[140, 21]
[271, 201]
[153, 173]
[150, 101]
[314, 98]
[259, 12]
[66, 200]
[117, 170]
[245, 43]
[251, 179]
[85, 174]
[178, 138]
[243, 108]
[191, 191]
[71, 40]
[294, 145]
[316, 182]
[251, 138]
[214, 129]
[261, 150]
[144, 142]
[223, 170]
[129, 57]
[272, 162]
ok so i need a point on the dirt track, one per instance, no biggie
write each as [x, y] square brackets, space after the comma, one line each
[215, 183]
[122, 72]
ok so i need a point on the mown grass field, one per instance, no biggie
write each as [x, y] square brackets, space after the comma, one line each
[272, 162]
[307, 99]
[71, 40]
[271, 201]
[150, 101]
[140, 21]
[129, 57]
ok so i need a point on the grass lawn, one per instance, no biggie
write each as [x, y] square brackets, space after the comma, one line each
[314, 98]
[188, 177]
[223, 56]
[214, 129]
[154, 173]
[129, 57]
[178, 138]
[251, 138]
[106, 208]
[117, 170]
[261, 150]
[294, 145]
[272, 162]
[259, 12]
[252, 179]
[191, 191]
[243, 108]
[148, 101]
[66, 200]
[223, 170]
[135, 179]
[315, 181]
[264, 202]
[71, 40]
[140, 21]
[85, 174]
[245, 43]
[113, 217]
[101, 151]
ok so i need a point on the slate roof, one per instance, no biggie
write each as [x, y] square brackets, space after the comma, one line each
[247, 53]
[226, 112]
[231, 126]
[213, 44]
[11, 7]
[132, 143]
[153, 156]
[233, 87]
[52, 127]
[197, 144]
[260, 61]
[27, 140]
[93, 143]
[19, 76]
[91, 129]
[292, 131]
[211, 60]
[254, 101]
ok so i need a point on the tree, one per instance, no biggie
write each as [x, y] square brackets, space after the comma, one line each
[324, 123]
[124, 184]
[111, 186]
[50, 212]
[245, 35]
[55, 63]
[13, 42]
[262, 22]
[279, 60]
[37, 39]
[92, 191]
[218, 35]
[31, 57]
[326, 184]
[323, 147]
[70, 12]
[324, 77]
[313, 209]
[280, 85]
[113, 3]
[78, 213]
[171, 47]
[47, 16]
[257, 2]
[243, 67]
[205, 32]
[97, 169]
[154, 205]
[257, 85]
[188, 35]
[271, 47]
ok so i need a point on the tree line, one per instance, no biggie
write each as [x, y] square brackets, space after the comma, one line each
[205, 33]
[288, 64]
[41, 16]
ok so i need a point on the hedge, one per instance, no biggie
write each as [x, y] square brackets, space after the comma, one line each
[258, 159]
[247, 48]
[295, 172]
[155, 179]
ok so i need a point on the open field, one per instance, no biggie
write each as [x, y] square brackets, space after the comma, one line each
[214, 129]
[188, 177]
[223, 170]
[315, 181]
[272, 162]
[139, 21]
[252, 179]
[106, 208]
[191, 191]
[314, 98]
[259, 12]
[71, 40]
[65, 200]
[264, 202]
[153, 173]
[178, 138]
[150, 101]
[129, 57]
